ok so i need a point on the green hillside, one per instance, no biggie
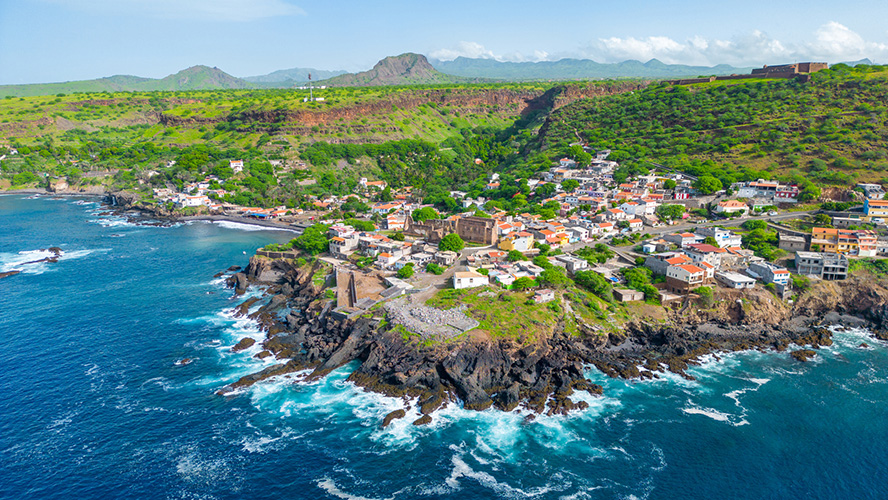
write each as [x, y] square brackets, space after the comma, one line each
[831, 130]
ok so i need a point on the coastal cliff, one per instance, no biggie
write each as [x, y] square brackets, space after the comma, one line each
[542, 374]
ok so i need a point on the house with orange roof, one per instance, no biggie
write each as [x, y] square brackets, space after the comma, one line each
[731, 207]
[658, 263]
[385, 207]
[702, 252]
[684, 278]
[521, 241]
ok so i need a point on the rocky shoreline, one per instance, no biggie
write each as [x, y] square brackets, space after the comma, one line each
[541, 376]
[55, 251]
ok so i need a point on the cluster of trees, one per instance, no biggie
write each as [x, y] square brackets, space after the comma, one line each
[761, 241]
[639, 278]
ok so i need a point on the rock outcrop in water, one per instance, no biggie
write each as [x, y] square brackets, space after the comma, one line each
[541, 376]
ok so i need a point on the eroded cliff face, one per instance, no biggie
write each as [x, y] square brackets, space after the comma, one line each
[864, 296]
[481, 371]
[468, 100]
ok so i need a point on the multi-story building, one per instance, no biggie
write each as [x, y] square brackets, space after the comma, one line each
[684, 239]
[723, 238]
[703, 252]
[875, 208]
[828, 266]
[844, 241]
[521, 241]
[686, 277]
[769, 273]
[659, 263]
[571, 263]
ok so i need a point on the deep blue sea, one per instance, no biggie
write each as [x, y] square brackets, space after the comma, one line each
[93, 405]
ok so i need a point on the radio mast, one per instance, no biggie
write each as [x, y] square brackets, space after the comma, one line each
[311, 96]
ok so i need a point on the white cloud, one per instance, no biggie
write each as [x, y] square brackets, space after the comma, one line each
[208, 10]
[475, 50]
[832, 43]
[472, 50]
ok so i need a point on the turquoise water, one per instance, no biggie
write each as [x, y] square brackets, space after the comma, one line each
[93, 405]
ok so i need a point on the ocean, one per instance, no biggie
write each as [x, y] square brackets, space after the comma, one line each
[93, 404]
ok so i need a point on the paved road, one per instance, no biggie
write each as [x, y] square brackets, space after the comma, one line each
[627, 254]
[729, 222]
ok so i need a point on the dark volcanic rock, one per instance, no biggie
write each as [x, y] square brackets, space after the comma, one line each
[803, 354]
[9, 273]
[423, 420]
[392, 416]
[541, 375]
[244, 343]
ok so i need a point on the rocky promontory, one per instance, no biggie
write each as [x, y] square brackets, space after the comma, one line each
[539, 375]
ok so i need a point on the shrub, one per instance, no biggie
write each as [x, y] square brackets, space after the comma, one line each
[405, 272]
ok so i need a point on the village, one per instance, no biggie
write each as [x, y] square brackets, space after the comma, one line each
[659, 222]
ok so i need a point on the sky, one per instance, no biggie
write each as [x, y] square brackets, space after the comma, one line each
[63, 40]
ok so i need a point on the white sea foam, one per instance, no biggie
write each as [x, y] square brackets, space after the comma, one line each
[709, 412]
[25, 261]
[247, 227]
[113, 221]
[461, 469]
[194, 468]
[330, 487]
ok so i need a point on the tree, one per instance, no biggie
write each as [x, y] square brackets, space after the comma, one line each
[637, 277]
[707, 184]
[570, 185]
[523, 283]
[361, 225]
[385, 195]
[451, 243]
[547, 214]
[809, 193]
[554, 276]
[424, 214]
[313, 240]
[583, 158]
[709, 240]
[707, 298]
[751, 225]
[405, 272]
[822, 220]
[353, 204]
[398, 236]
[669, 184]
[515, 256]
[545, 190]
[541, 261]
[595, 283]
[670, 212]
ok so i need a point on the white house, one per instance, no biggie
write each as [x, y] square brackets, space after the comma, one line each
[468, 279]
[731, 207]
[236, 165]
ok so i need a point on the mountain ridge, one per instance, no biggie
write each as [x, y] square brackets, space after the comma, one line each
[571, 69]
[405, 69]
[197, 77]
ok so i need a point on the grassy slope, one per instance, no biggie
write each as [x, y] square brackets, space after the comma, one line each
[124, 115]
[773, 126]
